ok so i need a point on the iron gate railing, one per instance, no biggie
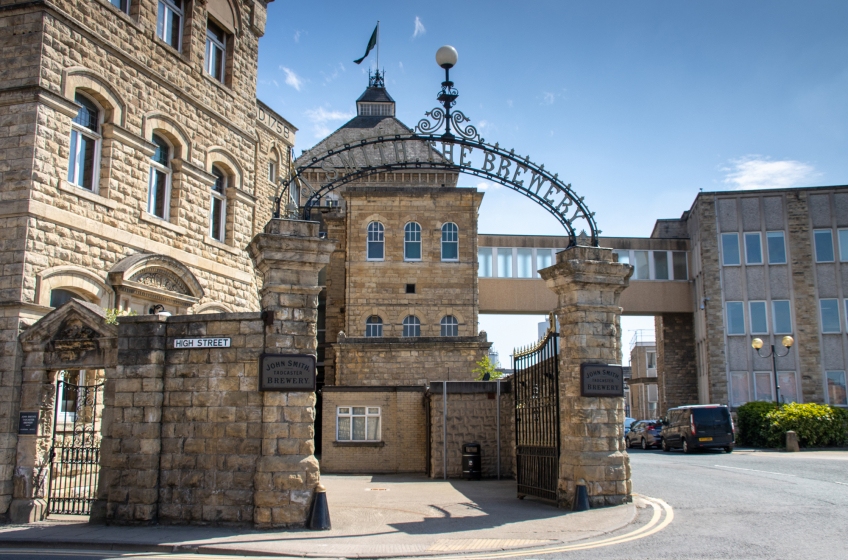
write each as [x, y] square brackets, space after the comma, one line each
[75, 454]
[537, 418]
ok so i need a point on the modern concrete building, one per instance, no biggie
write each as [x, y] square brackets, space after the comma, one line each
[644, 394]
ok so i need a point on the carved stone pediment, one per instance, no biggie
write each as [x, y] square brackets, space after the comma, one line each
[161, 279]
[73, 340]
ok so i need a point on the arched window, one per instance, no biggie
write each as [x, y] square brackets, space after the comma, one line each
[411, 326]
[218, 207]
[159, 192]
[59, 297]
[375, 241]
[373, 326]
[85, 144]
[273, 165]
[412, 242]
[450, 326]
[450, 242]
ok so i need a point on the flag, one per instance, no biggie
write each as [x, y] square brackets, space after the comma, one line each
[372, 42]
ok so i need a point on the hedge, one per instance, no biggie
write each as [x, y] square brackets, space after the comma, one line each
[764, 424]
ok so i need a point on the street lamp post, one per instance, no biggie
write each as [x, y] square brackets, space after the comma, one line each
[446, 57]
[757, 345]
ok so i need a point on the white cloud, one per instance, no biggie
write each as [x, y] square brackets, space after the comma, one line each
[337, 70]
[419, 28]
[548, 97]
[297, 36]
[292, 79]
[320, 118]
[400, 64]
[482, 124]
[758, 172]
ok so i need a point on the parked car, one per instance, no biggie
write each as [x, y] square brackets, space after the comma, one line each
[644, 434]
[706, 426]
[627, 423]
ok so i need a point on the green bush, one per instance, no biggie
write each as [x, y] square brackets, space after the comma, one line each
[817, 425]
[753, 426]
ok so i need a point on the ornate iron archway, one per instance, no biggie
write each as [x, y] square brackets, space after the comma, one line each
[463, 152]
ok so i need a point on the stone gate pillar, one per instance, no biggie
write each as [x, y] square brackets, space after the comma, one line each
[288, 255]
[588, 283]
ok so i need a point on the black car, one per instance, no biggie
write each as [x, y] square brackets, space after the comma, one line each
[706, 426]
[644, 434]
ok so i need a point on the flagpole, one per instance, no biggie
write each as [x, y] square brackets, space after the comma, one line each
[378, 45]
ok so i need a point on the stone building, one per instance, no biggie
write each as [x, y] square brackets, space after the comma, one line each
[400, 305]
[137, 164]
[644, 395]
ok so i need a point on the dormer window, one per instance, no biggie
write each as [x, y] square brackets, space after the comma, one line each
[376, 109]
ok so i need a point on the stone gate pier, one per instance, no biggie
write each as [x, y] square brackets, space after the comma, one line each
[188, 436]
[588, 282]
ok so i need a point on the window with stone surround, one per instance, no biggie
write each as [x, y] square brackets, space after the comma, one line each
[358, 423]
[412, 242]
[169, 22]
[216, 51]
[753, 249]
[373, 326]
[824, 245]
[411, 326]
[123, 5]
[830, 322]
[159, 189]
[84, 158]
[450, 242]
[218, 205]
[449, 326]
[735, 317]
[730, 249]
[376, 242]
[776, 247]
[781, 315]
[757, 316]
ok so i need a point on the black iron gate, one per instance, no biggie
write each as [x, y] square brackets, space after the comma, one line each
[537, 442]
[75, 454]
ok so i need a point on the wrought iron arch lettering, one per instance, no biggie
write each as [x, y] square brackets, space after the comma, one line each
[356, 161]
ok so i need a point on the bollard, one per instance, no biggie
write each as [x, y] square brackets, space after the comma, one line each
[319, 518]
[792, 441]
[581, 498]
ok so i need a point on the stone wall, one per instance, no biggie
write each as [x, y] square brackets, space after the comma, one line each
[407, 361]
[472, 416]
[402, 444]
[677, 375]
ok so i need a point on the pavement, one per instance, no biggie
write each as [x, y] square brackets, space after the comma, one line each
[380, 517]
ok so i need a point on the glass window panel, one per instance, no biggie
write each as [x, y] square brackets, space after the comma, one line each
[412, 242]
[373, 411]
[652, 392]
[735, 317]
[824, 245]
[358, 427]
[788, 387]
[652, 360]
[544, 259]
[344, 429]
[525, 263]
[843, 245]
[484, 262]
[344, 410]
[505, 263]
[730, 249]
[753, 249]
[836, 389]
[660, 265]
[759, 322]
[375, 241]
[776, 247]
[373, 428]
[781, 316]
[680, 264]
[763, 386]
[829, 315]
[643, 271]
[740, 392]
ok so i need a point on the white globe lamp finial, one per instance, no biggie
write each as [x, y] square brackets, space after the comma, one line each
[446, 57]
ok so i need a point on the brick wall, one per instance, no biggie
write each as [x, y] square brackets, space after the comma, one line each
[402, 445]
[472, 411]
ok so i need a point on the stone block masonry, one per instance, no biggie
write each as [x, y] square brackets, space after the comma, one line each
[677, 375]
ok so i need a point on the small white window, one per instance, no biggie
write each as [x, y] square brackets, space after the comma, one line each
[836, 389]
[740, 390]
[484, 262]
[735, 317]
[85, 145]
[123, 5]
[757, 315]
[776, 247]
[788, 386]
[412, 242]
[524, 262]
[358, 423]
[641, 265]
[272, 171]
[450, 326]
[218, 213]
[411, 326]
[169, 21]
[159, 189]
[651, 358]
[216, 49]
[680, 265]
[373, 326]
[824, 245]
[753, 249]
[544, 259]
[505, 263]
[781, 314]
[763, 386]
[830, 315]
[450, 242]
[660, 265]
[730, 249]
[376, 241]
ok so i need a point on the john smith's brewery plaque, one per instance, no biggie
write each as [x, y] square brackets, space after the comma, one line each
[599, 380]
[286, 372]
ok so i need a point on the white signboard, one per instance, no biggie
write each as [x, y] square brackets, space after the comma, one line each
[183, 343]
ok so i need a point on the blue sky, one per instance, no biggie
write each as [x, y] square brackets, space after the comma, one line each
[637, 104]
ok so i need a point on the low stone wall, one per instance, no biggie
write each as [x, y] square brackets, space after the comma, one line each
[401, 447]
[472, 413]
